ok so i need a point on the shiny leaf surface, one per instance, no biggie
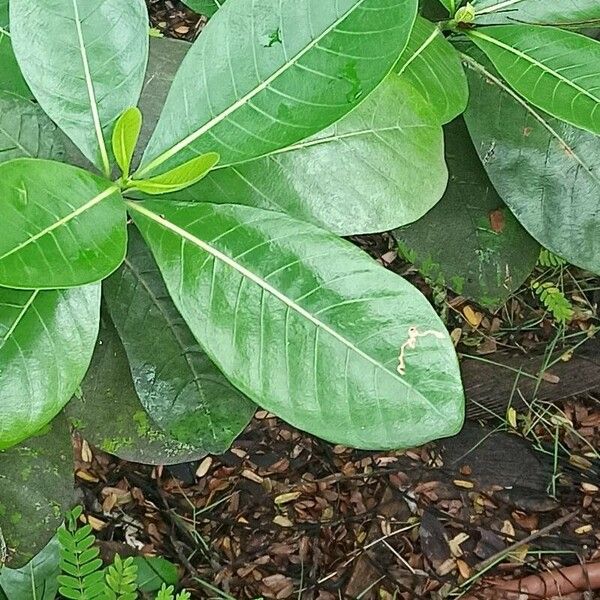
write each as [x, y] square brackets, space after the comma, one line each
[46, 343]
[25, 131]
[178, 178]
[95, 52]
[488, 254]
[204, 7]
[125, 137]
[37, 488]
[307, 325]
[269, 73]
[542, 12]
[378, 168]
[63, 226]
[547, 171]
[180, 388]
[555, 70]
[432, 66]
[11, 79]
[109, 414]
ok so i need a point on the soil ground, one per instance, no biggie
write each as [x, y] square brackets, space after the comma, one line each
[285, 515]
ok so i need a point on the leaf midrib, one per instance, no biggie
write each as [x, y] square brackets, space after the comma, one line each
[19, 318]
[192, 137]
[257, 280]
[537, 63]
[90, 91]
[63, 221]
[313, 142]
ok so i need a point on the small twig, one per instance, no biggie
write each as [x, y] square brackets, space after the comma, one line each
[530, 538]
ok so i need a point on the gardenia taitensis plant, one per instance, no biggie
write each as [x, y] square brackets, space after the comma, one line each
[224, 282]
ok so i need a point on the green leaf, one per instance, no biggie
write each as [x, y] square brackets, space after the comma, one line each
[450, 5]
[63, 226]
[46, 343]
[488, 254]
[541, 12]
[37, 488]
[266, 74]
[555, 70]
[432, 66]
[36, 580]
[180, 388]
[546, 171]
[25, 131]
[96, 53]
[378, 168]
[4, 14]
[204, 7]
[125, 137]
[110, 415]
[178, 178]
[11, 79]
[153, 572]
[307, 325]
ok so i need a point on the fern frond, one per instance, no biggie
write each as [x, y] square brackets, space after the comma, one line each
[121, 580]
[554, 300]
[183, 596]
[166, 593]
[548, 259]
[81, 576]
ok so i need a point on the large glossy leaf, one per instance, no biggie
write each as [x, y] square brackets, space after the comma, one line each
[432, 66]
[380, 167]
[268, 73]
[555, 70]
[46, 343]
[179, 386]
[84, 61]
[547, 172]
[25, 131]
[307, 325]
[470, 241]
[37, 579]
[37, 489]
[62, 226]
[205, 7]
[11, 79]
[109, 414]
[543, 12]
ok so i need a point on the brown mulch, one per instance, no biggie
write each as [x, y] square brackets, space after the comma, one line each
[285, 515]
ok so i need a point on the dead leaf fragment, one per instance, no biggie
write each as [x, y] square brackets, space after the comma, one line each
[204, 467]
[285, 498]
[248, 474]
[468, 485]
[473, 317]
[282, 521]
